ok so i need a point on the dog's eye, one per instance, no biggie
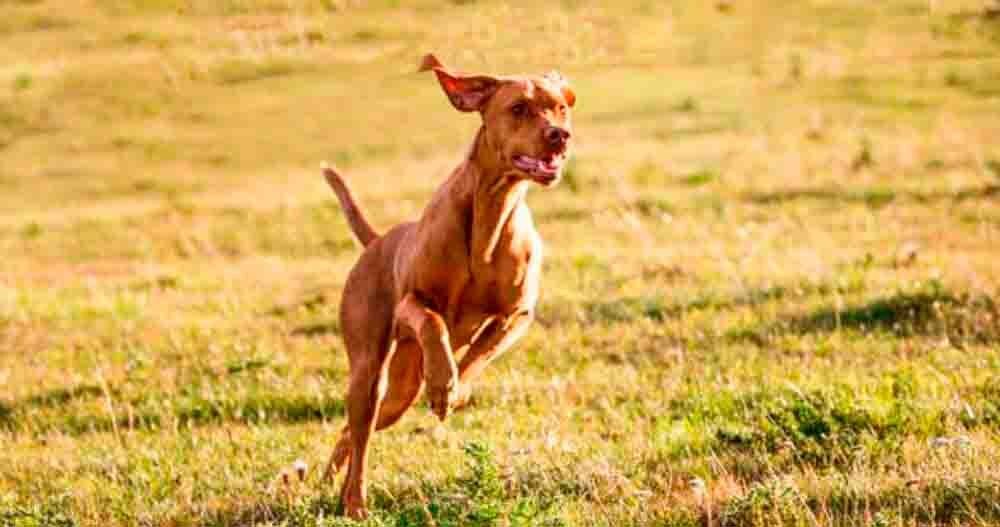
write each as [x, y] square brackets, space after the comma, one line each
[520, 109]
[562, 108]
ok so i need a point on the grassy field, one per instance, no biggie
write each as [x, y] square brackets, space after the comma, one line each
[770, 294]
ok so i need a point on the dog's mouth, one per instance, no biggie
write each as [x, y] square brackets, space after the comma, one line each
[544, 170]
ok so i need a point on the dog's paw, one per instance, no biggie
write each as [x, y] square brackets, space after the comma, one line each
[441, 399]
[355, 511]
[462, 397]
[352, 503]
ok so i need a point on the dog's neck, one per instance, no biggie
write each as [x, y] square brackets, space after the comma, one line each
[496, 193]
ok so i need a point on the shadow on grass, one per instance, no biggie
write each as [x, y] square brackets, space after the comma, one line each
[962, 318]
[154, 411]
[45, 400]
[6, 415]
[61, 396]
[821, 426]
[317, 329]
[872, 197]
[658, 308]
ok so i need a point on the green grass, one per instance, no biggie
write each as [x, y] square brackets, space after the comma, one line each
[770, 294]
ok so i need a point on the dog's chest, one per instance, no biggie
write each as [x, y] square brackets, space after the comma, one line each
[509, 283]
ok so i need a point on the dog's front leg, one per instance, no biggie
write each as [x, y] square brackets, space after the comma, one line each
[498, 337]
[430, 330]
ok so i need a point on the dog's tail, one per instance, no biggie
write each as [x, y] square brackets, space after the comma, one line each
[355, 218]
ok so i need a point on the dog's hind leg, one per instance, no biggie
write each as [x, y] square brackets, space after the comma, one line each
[367, 388]
[406, 379]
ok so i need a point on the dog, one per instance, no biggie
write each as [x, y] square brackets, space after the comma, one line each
[463, 280]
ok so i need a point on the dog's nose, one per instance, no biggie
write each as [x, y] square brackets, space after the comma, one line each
[556, 136]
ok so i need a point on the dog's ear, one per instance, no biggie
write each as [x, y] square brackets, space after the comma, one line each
[430, 62]
[467, 93]
[556, 78]
[569, 95]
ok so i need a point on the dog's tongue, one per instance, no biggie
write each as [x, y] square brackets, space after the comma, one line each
[526, 163]
[548, 166]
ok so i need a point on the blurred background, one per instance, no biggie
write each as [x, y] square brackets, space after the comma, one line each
[769, 294]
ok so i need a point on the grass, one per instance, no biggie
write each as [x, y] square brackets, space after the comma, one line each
[770, 288]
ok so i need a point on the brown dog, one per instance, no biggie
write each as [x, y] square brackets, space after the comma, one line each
[463, 280]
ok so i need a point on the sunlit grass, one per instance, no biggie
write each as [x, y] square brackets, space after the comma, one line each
[770, 288]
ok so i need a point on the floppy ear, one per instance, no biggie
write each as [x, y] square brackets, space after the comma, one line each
[429, 62]
[569, 95]
[467, 93]
[556, 78]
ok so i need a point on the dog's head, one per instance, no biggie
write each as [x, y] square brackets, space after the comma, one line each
[526, 118]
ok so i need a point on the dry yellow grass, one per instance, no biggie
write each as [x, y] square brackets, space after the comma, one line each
[770, 293]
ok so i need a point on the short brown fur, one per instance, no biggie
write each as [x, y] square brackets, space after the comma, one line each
[463, 280]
